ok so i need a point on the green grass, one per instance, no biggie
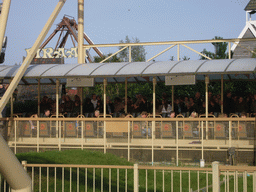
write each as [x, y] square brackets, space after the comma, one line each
[81, 157]
[98, 158]
[87, 157]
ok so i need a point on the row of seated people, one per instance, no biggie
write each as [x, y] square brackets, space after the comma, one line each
[182, 105]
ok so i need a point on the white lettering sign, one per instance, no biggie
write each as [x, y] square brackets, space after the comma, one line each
[59, 53]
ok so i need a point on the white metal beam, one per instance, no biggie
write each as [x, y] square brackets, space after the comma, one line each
[30, 55]
[81, 55]
[3, 20]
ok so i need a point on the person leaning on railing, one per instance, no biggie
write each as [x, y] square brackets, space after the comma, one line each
[144, 130]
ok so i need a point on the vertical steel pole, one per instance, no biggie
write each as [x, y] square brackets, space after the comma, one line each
[15, 136]
[81, 102]
[37, 136]
[229, 50]
[130, 53]
[57, 97]
[125, 95]
[80, 43]
[202, 143]
[178, 52]
[81, 56]
[172, 97]
[58, 129]
[12, 105]
[154, 116]
[38, 99]
[129, 139]
[206, 104]
[3, 20]
[229, 133]
[177, 144]
[105, 110]
[222, 94]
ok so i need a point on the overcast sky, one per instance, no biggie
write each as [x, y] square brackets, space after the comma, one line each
[109, 21]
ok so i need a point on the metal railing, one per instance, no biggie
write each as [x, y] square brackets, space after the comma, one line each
[238, 178]
[133, 133]
[59, 177]
[172, 44]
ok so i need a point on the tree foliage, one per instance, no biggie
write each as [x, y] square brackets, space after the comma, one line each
[113, 59]
[138, 52]
[220, 50]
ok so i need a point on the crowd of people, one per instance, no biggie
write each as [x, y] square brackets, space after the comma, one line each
[232, 104]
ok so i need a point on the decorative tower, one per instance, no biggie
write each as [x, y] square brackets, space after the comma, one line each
[242, 49]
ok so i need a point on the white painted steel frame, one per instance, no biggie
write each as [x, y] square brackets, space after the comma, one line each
[19, 180]
[174, 43]
[3, 20]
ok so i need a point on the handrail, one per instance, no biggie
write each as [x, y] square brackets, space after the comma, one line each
[169, 42]
[125, 119]
[119, 167]
[237, 168]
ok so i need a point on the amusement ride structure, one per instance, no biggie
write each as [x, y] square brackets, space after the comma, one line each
[226, 69]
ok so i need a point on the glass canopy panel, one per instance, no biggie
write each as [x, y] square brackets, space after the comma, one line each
[37, 70]
[242, 76]
[98, 80]
[133, 68]
[9, 72]
[45, 81]
[31, 81]
[120, 79]
[142, 79]
[84, 69]
[187, 66]
[242, 65]
[158, 79]
[3, 67]
[63, 80]
[160, 67]
[214, 66]
[116, 79]
[131, 80]
[111, 80]
[59, 70]
[108, 69]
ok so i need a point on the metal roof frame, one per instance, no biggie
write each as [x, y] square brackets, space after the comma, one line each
[238, 69]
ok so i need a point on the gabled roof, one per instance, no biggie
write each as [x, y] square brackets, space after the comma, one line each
[251, 26]
[250, 6]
